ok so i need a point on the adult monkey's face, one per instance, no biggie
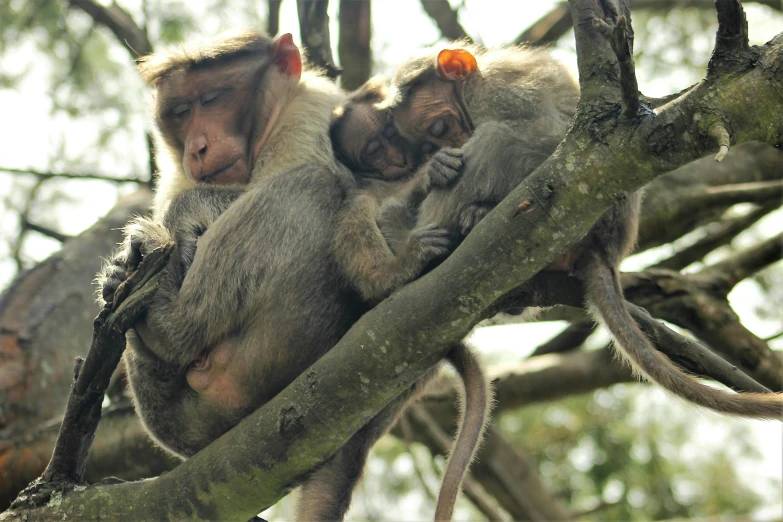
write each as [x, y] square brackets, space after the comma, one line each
[219, 115]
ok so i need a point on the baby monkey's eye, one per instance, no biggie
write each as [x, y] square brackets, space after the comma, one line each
[438, 129]
[373, 146]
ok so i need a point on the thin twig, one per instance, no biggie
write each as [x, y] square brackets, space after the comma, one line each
[48, 232]
[69, 175]
[120, 22]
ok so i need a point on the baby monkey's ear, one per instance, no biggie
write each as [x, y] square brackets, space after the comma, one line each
[456, 64]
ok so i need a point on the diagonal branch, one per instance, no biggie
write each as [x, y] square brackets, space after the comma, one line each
[91, 378]
[119, 22]
[747, 262]
[314, 31]
[445, 18]
[717, 236]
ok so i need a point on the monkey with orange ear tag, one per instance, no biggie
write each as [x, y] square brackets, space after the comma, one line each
[521, 103]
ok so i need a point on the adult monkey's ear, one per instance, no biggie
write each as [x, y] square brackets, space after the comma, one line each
[286, 56]
[456, 64]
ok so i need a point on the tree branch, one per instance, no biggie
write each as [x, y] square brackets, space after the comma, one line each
[91, 378]
[119, 22]
[721, 234]
[571, 338]
[48, 232]
[354, 43]
[443, 444]
[549, 28]
[446, 19]
[698, 302]
[749, 261]
[273, 16]
[70, 175]
[314, 31]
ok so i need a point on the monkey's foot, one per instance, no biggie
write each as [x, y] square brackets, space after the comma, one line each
[429, 242]
[470, 217]
[445, 167]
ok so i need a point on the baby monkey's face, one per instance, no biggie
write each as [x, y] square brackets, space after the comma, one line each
[371, 146]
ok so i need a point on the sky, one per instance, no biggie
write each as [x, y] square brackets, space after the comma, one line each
[399, 28]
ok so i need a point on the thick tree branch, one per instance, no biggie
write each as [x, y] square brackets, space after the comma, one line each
[445, 18]
[119, 22]
[314, 31]
[354, 44]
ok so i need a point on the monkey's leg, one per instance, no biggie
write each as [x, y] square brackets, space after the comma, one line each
[366, 258]
[326, 494]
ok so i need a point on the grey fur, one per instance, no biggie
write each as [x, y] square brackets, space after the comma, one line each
[523, 104]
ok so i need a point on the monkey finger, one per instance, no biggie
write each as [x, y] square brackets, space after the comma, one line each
[135, 255]
[445, 167]
[109, 288]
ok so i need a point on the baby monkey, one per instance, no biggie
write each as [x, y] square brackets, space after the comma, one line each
[378, 260]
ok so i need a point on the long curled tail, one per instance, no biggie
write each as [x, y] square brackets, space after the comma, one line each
[474, 412]
[605, 295]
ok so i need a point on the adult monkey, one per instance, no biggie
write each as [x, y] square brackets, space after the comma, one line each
[209, 351]
[516, 105]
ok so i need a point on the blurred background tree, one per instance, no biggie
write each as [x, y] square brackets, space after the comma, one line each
[76, 138]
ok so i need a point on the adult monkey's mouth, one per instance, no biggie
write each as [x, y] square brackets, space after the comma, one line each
[214, 177]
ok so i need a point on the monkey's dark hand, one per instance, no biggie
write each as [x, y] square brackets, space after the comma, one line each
[444, 168]
[116, 271]
[470, 216]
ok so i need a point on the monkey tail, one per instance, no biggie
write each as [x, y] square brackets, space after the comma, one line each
[474, 412]
[605, 295]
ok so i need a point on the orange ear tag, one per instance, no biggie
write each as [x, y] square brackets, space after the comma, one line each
[456, 64]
